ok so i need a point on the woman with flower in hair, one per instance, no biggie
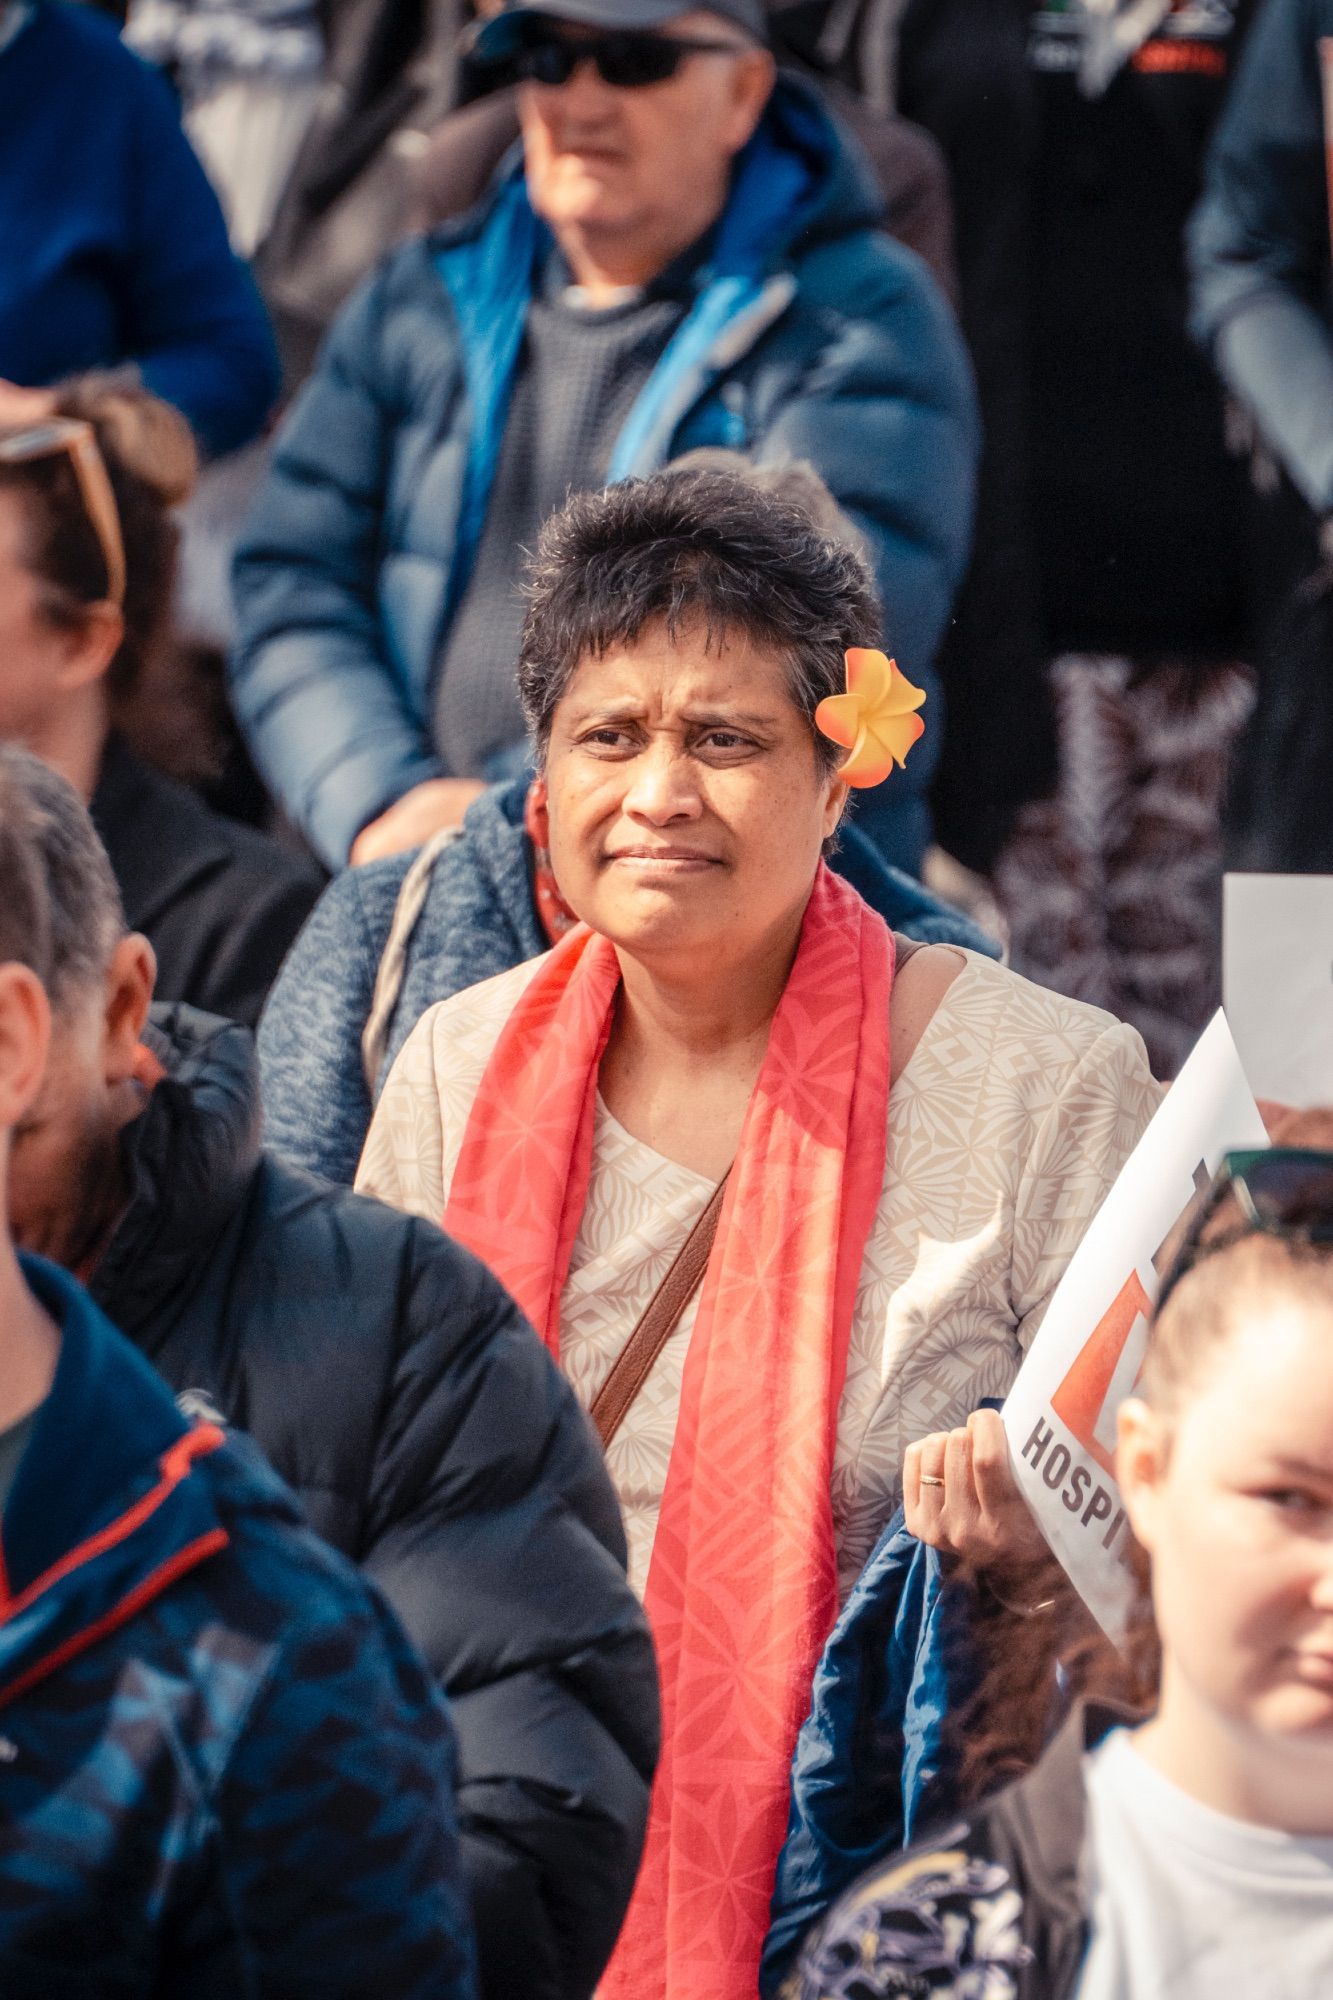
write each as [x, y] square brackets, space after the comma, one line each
[779, 1199]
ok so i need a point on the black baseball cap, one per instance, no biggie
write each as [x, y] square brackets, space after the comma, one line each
[498, 38]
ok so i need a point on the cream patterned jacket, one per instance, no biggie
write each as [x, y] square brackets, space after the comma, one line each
[1007, 1126]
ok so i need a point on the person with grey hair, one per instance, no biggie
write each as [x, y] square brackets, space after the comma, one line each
[386, 1376]
[780, 1193]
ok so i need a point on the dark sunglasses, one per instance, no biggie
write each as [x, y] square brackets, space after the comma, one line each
[1284, 1191]
[625, 59]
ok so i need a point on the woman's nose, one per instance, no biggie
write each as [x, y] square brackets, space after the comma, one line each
[1321, 1584]
[662, 786]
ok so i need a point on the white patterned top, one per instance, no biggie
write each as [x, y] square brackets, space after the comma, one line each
[1011, 1119]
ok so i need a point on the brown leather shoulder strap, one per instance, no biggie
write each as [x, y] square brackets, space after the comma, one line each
[905, 948]
[659, 1320]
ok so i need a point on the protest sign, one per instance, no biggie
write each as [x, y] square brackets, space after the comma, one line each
[1060, 1414]
[1281, 924]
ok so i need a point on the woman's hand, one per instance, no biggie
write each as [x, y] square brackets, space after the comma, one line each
[960, 1496]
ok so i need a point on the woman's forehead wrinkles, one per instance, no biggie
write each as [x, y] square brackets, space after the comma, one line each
[696, 713]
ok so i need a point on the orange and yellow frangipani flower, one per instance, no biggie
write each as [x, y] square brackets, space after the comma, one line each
[875, 719]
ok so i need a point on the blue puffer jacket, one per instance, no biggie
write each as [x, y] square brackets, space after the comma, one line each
[812, 336]
[873, 1760]
[479, 918]
[225, 1772]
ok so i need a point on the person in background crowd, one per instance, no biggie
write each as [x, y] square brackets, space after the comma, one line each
[1259, 246]
[686, 256]
[1113, 526]
[892, 1169]
[248, 76]
[87, 564]
[1260, 272]
[113, 251]
[387, 1378]
[459, 155]
[405, 143]
[226, 1772]
[1182, 1845]
[391, 938]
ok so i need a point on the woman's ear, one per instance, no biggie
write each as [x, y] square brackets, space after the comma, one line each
[86, 649]
[835, 807]
[1140, 1463]
[129, 994]
[536, 817]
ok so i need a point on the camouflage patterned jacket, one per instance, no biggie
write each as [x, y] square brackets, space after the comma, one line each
[223, 1771]
[990, 1906]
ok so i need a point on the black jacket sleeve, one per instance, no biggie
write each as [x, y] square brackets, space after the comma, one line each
[494, 1531]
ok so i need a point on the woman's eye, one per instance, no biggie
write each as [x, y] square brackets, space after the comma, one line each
[607, 738]
[726, 739]
[1294, 1500]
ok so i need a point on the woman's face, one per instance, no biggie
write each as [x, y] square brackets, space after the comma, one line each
[1234, 1503]
[33, 651]
[687, 805]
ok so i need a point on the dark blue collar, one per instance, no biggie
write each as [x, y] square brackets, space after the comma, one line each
[102, 1429]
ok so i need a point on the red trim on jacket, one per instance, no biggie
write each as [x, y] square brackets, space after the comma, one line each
[144, 1591]
[175, 1464]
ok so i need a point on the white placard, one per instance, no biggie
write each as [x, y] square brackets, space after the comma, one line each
[1277, 983]
[1060, 1413]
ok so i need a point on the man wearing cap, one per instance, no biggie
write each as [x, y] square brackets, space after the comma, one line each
[685, 254]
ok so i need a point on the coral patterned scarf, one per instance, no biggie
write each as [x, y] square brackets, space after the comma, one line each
[742, 1587]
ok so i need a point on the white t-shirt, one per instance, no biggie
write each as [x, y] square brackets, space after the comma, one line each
[1191, 1905]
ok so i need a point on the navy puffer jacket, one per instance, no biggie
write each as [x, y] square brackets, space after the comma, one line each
[396, 1388]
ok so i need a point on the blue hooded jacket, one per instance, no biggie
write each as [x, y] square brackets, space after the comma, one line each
[812, 336]
[874, 1760]
[225, 1772]
[479, 918]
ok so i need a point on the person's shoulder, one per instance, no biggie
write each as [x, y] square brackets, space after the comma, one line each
[1027, 1014]
[1020, 1044]
[478, 1013]
[276, 1577]
[384, 1251]
[858, 276]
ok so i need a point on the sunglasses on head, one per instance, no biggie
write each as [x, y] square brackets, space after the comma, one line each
[1284, 1191]
[627, 59]
[79, 440]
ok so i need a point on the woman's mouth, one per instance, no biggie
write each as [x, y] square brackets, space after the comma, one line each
[1316, 1668]
[663, 860]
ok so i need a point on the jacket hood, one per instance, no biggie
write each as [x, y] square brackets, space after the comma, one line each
[108, 1507]
[189, 1156]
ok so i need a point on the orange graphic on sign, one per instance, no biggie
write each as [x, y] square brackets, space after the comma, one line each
[1080, 1397]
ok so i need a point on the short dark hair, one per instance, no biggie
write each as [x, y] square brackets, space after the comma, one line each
[693, 548]
[60, 909]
